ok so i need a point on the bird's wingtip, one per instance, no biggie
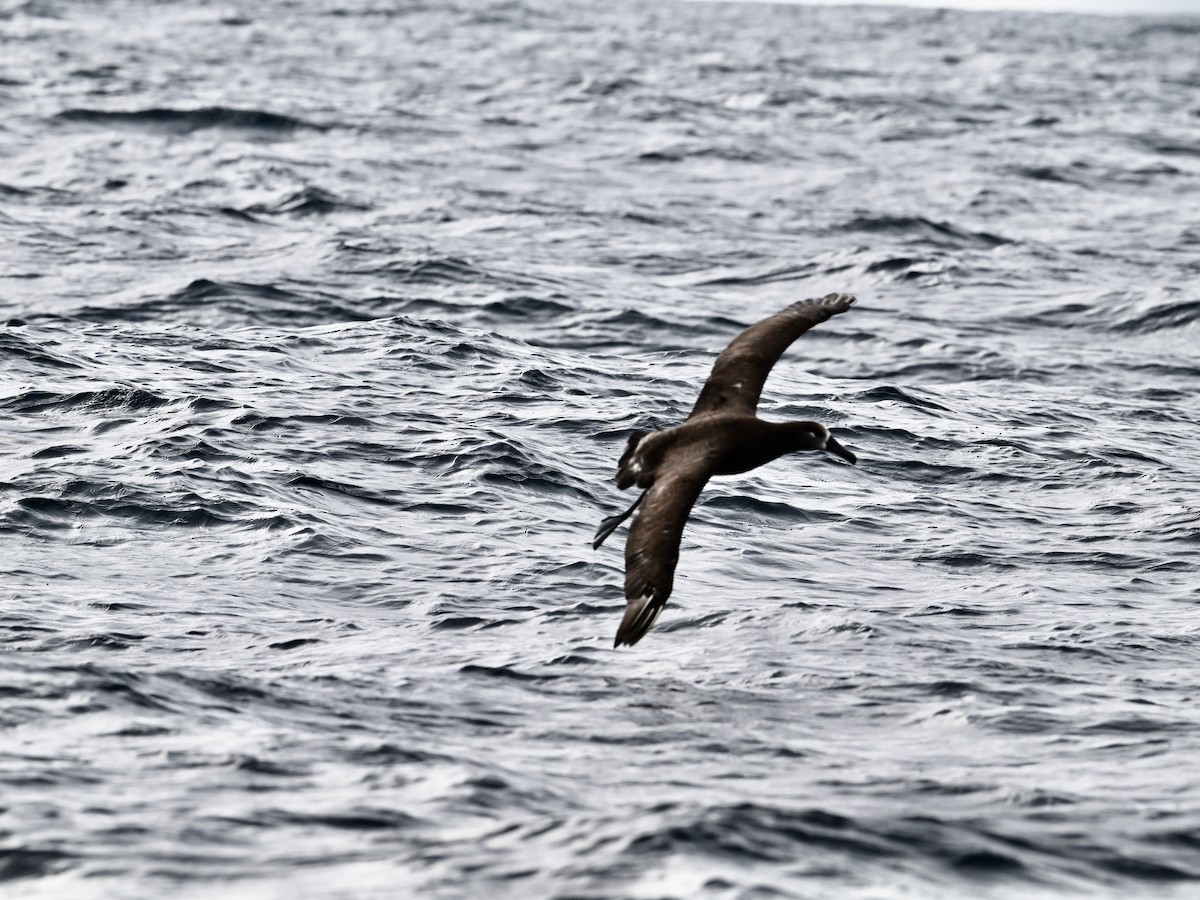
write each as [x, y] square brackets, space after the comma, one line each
[640, 615]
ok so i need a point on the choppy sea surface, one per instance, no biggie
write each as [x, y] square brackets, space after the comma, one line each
[325, 323]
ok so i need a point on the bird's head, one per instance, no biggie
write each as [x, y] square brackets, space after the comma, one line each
[815, 436]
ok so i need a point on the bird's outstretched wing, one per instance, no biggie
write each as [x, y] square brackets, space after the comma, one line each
[741, 370]
[652, 547]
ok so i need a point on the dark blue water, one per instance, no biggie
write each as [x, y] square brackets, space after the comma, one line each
[326, 323]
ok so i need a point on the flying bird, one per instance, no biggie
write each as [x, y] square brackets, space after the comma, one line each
[722, 436]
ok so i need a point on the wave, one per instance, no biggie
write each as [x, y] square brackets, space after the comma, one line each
[20, 349]
[84, 499]
[918, 229]
[189, 120]
[204, 301]
[1160, 317]
[17, 862]
[307, 201]
[113, 399]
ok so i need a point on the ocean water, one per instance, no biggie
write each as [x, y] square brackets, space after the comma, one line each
[325, 323]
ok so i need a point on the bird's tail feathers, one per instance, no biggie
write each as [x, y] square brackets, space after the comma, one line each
[607, 527]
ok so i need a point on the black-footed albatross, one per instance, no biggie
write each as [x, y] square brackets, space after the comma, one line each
[721, 436]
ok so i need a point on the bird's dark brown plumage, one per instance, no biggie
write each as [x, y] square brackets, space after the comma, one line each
[721, 436]
[741, 370]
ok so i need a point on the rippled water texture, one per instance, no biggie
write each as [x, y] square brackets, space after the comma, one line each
[325, 325]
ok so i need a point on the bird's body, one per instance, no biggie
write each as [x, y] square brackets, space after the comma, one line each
[722, 436]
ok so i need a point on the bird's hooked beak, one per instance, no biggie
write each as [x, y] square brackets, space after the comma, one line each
[837, 449]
